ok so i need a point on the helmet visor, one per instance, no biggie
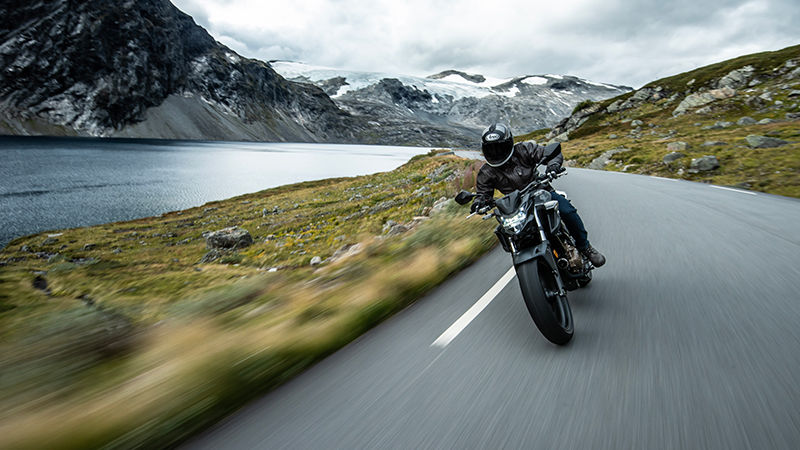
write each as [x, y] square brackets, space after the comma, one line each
[497, 153]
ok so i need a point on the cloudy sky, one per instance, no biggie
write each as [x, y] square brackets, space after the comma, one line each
[613, 41]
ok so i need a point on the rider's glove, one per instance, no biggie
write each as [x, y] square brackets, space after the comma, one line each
[554, 168]
[477, 205]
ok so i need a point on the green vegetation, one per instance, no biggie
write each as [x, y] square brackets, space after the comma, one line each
[583, 105]
[771, 92]
[117, 335]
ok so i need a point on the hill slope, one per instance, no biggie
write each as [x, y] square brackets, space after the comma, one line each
[731, 123]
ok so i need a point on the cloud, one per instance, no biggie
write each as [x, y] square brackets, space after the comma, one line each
[611, 41]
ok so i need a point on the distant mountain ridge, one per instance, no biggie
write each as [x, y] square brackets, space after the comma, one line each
[453, 98]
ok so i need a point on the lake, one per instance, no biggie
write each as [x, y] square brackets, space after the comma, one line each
[52, 183]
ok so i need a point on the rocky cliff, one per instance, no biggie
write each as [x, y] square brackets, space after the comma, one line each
[102, 68]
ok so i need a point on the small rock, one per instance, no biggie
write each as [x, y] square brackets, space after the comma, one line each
[704, 164]
[116, 251]
[605, 158]
[421, 192]
[40, 283]
[677, 146]
[426, 211]
[315, 261]
[766, 121]
[88, 247]
[636, 123]
[756, 141]
[746, 121]
[25, 249]
[272, 270]
[49, 241]
[228, 238]
[389, 224]
[794, 93]
[212, 255]
[612, 136]
[793, 115]
[396, 229]
[673, 156]
[440, 205]
[680, 171]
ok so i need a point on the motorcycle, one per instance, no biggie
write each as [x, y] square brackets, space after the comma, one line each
[544, 254]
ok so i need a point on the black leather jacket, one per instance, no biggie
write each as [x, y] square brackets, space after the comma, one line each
[515, 174]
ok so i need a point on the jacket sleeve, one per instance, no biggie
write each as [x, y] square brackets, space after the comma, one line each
[485, 186]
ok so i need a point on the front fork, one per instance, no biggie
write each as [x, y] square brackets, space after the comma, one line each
[542, 250]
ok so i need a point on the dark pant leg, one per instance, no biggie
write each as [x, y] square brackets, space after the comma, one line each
[573, 221]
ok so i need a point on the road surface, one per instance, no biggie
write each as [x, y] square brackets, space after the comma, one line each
[689, 337]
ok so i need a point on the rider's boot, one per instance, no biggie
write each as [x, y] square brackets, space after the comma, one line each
[596, 258]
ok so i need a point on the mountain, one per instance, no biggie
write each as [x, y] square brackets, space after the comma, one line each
[146, 69]
[735, 123]
[464, 102]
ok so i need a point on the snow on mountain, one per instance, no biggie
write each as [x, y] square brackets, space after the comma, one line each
[453, 98]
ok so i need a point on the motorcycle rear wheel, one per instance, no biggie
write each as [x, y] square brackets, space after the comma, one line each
[550, 311]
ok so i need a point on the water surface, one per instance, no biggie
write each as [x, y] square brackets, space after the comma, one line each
[51, 183]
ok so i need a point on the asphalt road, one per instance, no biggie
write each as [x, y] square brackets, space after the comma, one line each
[689, 337]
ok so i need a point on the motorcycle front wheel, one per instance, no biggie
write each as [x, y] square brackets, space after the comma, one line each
[550, 311]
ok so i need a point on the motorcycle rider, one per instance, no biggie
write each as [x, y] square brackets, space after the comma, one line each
[511, 167]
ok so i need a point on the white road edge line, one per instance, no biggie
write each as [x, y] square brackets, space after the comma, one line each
[465, 319]
[667, 179]
[733, 190]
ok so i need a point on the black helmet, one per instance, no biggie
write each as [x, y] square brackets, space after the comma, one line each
[497, 144]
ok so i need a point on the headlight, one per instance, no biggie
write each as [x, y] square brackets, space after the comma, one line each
[514, 223]
[541, 196]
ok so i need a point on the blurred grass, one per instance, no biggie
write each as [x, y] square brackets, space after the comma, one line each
[117, 336]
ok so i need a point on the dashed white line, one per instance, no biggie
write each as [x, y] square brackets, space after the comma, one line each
[734, 190]
[465, 319]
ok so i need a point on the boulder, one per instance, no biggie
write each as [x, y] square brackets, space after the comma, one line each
[677, 146]
[793, 115]
[315, 261]
[794, 93]
[704, 164]
[746, 121]
[718, 126]
[756, 141]
[228, 238]
[673, 156]
[702, 98]
[736, 78]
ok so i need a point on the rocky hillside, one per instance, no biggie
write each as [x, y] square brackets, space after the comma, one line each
[734, 123]
[465, 103]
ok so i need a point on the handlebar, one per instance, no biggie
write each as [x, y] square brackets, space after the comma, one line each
[545, 178]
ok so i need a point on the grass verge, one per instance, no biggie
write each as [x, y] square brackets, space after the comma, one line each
[119, 336]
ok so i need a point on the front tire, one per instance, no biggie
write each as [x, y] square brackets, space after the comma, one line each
[550, 311]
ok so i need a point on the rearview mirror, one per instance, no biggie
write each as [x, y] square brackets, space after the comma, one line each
[550, 152]
[464, 197]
